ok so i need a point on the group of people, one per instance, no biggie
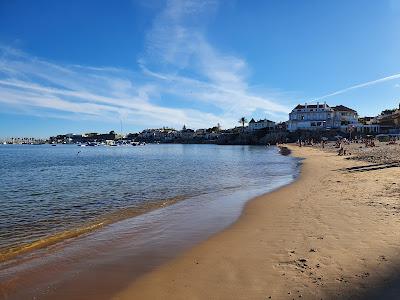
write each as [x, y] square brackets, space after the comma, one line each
[340, 144]
[369, 143]
[393, 141]
[311, 142]
[305, 142]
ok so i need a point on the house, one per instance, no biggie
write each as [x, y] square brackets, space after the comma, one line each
[186, 133]
[368, 125]
[367, 120]
[321, 117]
[158, 134]
[200, 132]
[311, 117]
[389, 120]
[261, 124]
[343, 117]
[282, 126]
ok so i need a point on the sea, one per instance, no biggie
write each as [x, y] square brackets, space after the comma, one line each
[47, 190]
[140, 196]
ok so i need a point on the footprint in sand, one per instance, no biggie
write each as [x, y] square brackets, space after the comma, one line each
[382, 258]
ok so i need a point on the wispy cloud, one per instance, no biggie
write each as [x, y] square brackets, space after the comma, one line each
[361, 85]
[28, 82]
[181, 79]
[179, 53]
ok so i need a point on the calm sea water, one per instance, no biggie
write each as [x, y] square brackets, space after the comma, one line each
[47, 190]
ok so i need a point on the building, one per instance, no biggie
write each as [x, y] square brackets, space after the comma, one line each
[344, 116]
[159, 134]
[389, 120]
[310, 117]
[261, 124]
[368, 125]
[186, 133]
[322, 117]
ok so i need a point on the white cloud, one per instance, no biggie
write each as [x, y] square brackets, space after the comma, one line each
[181, 79]
[177, 46]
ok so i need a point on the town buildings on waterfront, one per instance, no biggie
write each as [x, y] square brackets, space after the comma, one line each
[23, 141]
[320, 119]
[261, 124]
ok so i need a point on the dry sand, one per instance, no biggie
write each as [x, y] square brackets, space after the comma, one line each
[334, 233]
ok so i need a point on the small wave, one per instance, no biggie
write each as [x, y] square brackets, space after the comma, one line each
[12, 252]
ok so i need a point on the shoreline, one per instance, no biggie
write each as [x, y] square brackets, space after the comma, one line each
[185, 225]
[322, 236]
[14, 252]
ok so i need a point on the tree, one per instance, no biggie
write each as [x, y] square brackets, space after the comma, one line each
[243, 121]
[388, 112]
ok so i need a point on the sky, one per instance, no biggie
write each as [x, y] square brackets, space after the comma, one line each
[92, 66]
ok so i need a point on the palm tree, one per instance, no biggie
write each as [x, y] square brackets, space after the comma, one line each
[243, 121]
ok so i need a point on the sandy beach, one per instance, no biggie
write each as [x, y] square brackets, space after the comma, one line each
[333, 234]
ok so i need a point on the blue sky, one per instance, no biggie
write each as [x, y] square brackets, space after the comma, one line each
[79, 66]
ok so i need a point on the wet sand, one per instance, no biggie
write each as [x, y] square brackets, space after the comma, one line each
[334, 233]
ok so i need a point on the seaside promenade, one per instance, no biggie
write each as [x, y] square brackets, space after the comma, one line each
[333, 234]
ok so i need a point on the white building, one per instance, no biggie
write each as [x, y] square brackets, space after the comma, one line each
[322, 116]
[344, 117]
[261, 124]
